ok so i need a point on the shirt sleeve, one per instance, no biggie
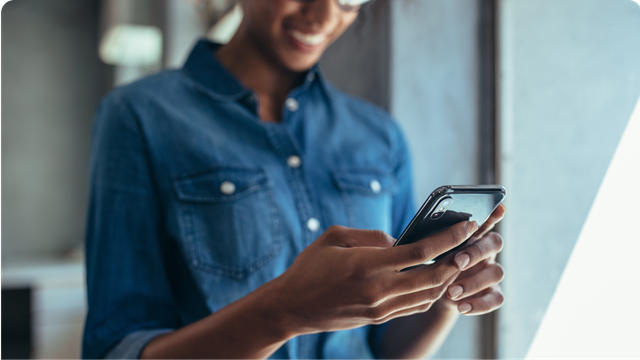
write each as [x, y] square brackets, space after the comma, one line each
[129, 296]
[403, 210]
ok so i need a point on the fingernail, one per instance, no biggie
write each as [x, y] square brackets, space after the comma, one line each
[464, 308]
[472, 227]
[462, 261]
[455, 291]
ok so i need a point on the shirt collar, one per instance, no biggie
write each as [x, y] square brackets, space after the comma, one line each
[203, 66]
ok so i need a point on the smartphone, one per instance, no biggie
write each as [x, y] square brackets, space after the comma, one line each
[449, 205]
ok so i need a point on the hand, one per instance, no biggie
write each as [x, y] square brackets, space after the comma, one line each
[349, 278]
[477, 291]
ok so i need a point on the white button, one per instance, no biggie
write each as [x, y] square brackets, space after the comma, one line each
[227, 188]
[313, 224]
[375, 186]
[291, 104]
[294, 161]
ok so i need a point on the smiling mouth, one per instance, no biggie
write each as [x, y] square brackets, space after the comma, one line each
[308, 39]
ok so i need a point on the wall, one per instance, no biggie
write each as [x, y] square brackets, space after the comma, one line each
[46, 134]
[570, 77]
[183, 27]
[365, 71]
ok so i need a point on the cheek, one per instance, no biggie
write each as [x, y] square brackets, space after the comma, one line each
[264, 17]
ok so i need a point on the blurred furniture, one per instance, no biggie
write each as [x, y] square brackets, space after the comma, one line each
[43, 308]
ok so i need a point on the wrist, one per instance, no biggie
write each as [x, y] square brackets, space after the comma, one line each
[269, 305]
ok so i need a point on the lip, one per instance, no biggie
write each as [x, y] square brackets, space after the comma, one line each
[307, 41]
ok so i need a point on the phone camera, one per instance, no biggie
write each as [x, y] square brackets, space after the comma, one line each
[441, 208]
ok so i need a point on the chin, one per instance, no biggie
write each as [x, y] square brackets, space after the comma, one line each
[297, 63]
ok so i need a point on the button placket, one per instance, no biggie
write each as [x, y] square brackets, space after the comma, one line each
[283, 143]
[312, 223]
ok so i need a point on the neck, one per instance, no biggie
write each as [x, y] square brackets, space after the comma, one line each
[245, 59]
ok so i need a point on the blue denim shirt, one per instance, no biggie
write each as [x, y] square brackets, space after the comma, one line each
[195, 202]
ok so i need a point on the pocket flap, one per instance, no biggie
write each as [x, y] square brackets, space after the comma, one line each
[219, 184]
[363, 181]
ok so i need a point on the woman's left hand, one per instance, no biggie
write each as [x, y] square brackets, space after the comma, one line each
[477, 291]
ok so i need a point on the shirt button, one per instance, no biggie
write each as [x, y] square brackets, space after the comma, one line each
[375, 186]
[294, 161]
[311, 76]
[291, 104]
[227, 188]
[313, 224]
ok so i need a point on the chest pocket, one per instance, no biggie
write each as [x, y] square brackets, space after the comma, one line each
[367, 195]
[228, 220]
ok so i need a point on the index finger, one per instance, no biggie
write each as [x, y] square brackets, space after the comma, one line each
[488, 225]
[419, 252]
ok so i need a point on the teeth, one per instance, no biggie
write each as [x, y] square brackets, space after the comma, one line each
[308, 39]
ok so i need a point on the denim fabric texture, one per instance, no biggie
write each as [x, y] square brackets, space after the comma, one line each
[195, 202]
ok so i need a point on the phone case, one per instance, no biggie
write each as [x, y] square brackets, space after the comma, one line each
[473, 203]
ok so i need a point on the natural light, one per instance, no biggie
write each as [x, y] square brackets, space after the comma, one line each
[594, 312]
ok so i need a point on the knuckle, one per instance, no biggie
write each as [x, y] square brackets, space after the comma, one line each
[376, 313]
[419, 252]
[480, 305]
[379, 234]
[358, 272]
[425, 307]
[439, 277]
[479, 250]
[379, 321]
[458, 235]
[370, 298]
[474, 283]
[383, 237]
[437, 294]
[497, 241]
[474, 251]
[498, 271]
[335, 230]
[500, 298]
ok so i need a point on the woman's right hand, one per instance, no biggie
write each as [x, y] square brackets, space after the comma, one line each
[349, 278]
[345, 279]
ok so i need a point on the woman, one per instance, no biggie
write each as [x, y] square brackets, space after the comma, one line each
[227, 206]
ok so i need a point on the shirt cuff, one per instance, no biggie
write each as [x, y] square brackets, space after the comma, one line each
[130, 347]
[376, 335]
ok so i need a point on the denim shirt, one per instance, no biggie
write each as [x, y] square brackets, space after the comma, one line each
[195, 202]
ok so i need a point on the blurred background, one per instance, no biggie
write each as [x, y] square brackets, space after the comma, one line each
[532, 94]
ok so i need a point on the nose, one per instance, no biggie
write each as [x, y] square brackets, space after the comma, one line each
[322, 13]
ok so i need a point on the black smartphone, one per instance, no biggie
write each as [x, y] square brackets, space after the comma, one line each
[449, 205]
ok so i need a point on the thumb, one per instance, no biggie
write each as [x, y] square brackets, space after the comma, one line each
[368, 238]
